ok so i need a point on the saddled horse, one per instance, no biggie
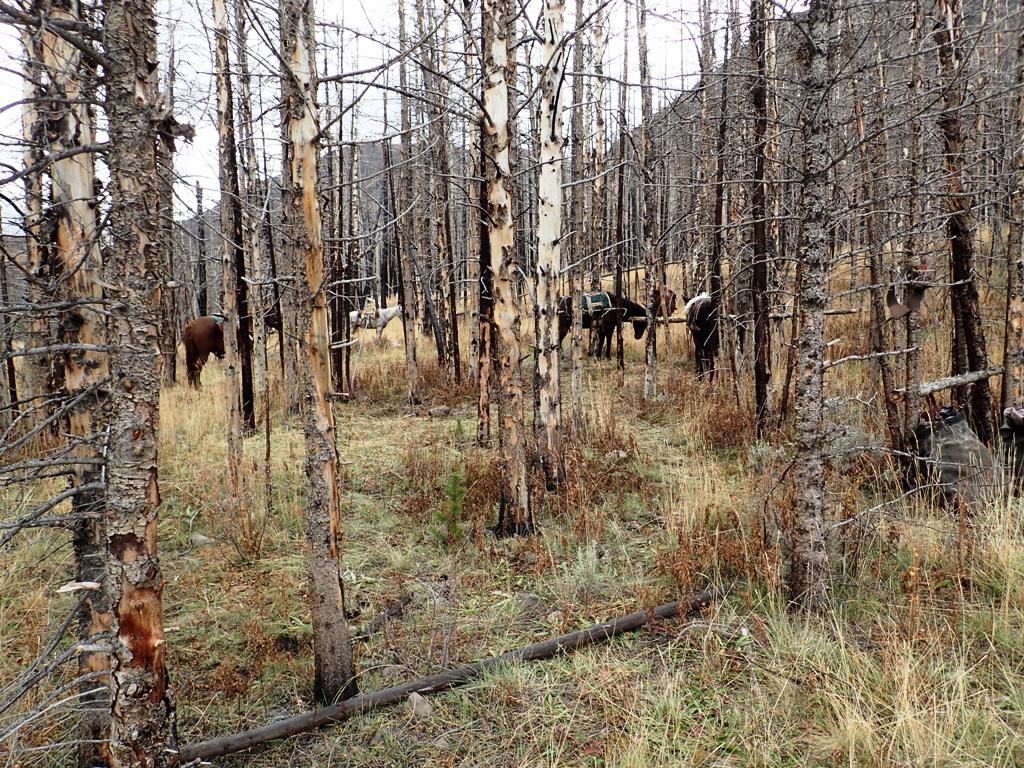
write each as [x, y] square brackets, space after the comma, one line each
[374, 319]
[702, 319]
[601, 311]
[201, 337]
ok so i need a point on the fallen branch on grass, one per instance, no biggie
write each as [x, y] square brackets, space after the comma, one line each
[931, 387]
[226, 745]
[396, 609]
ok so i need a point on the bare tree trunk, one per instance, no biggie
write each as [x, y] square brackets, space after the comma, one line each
[76, 239]
[653, 264]
[515, 516]
[142, 715]
[701, 252]
[879, 340]
[8, 376]
[334, 665]
[251, 212]
[549, 237]
[238, 350]
[1013, 339]
[960, 222]
[472, 232]
[201, 307]
[808, 577]
[354, 247]
[408, 284]
[620, 232]
[440, 139]
[759, 12]
[718, 225]
[579, 267]
[38, 371]
[231, 243]
[912, 406]
[168, 302]
[288, 269]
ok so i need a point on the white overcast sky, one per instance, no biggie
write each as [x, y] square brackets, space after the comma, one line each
[672, 31]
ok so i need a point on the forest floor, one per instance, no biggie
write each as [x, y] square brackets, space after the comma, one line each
[921, 661]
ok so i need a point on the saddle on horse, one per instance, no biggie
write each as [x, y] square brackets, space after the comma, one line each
[592, 303]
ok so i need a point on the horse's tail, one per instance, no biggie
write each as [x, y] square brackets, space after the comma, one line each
[192, 367]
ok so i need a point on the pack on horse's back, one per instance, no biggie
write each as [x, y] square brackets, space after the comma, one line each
[592, 303]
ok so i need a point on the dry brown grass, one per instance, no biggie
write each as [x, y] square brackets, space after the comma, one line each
[918, 664]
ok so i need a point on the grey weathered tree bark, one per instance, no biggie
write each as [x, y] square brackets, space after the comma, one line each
[332, 649]
[549, 236]
[653, 265]
[960, 222]
[142, 716]
[760, 10]
[251, 215]
[578, 267]
[231, 244]
[515, 516]
[1013, 339]
[808, 577]
[168, 301]
[200, 273]
[72, 199]
[408, 284]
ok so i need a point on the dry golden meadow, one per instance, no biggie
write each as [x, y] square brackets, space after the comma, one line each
[920, 663]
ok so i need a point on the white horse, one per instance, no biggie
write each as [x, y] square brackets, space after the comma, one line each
[371, 319]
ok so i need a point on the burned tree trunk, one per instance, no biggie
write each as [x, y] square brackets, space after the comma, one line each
[200, 278]
[653, 265]
[549, 237]
[72, 193]
[140, 700]
[960, 223]
[168, 300]
[808, 578]
[334, 665]
[251, 216]
[759, 11]
[408, 281]
[231, 244]
[577, 266]
[1013, 339]
[515, 516]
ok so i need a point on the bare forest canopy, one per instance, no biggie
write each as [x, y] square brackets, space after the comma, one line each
[262, 263]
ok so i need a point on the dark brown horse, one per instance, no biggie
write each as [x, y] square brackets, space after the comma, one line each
[201, 337]
[603, 317]
[702, 319]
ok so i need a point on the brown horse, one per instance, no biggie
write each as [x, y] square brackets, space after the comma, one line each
[201, 337]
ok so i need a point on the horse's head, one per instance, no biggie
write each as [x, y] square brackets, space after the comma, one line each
[639, 326]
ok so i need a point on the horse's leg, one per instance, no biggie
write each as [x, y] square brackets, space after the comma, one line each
[201, 359]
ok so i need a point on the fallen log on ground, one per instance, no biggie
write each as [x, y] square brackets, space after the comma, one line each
[931, 387]
[226, 745]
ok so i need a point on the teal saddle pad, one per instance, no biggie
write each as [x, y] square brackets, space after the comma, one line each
[595, 302]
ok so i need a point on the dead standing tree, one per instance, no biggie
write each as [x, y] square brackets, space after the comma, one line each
[332, 649]
[549, 236]
[654, 264]
[808, 579]
[140, 699]
[760, 10]
[231, 245]
[968, 334]
[68, 78]
[408, 282]
[515, 516]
